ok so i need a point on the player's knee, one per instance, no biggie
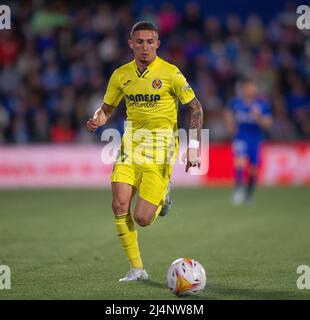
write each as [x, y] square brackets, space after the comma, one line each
[120, 206]
[143, 221]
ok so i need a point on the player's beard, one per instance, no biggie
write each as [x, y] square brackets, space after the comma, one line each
[144, 58]
[147, 58]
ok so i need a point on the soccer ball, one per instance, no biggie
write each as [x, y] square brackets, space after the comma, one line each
[186, 276]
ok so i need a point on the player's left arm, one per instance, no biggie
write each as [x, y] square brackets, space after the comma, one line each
[263, 119]
[266, 122]
[196, 121]
[185, 93]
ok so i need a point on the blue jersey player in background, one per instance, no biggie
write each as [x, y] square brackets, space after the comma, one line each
[247, 117]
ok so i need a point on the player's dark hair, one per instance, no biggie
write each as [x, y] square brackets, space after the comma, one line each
[144, 25]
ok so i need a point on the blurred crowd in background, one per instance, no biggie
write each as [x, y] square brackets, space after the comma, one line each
[57, 58]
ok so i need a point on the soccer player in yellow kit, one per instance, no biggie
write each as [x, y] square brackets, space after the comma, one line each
[151, 88]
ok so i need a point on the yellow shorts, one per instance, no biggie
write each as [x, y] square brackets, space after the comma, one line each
[150, 180]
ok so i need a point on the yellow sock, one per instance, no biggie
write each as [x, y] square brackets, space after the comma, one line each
[128, 235]
[156, 214]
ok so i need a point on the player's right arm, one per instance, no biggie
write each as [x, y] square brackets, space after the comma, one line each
[100, 117]
[112, 98]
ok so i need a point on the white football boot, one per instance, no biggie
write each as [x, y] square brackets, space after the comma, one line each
[135, 274]
[238, 197]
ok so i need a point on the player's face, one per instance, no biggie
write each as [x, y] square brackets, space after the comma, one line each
[144, 44]
[249, 91]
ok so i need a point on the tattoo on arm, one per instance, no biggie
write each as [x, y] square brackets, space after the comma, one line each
[196, 118]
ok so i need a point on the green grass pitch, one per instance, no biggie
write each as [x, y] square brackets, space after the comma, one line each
[61, 244]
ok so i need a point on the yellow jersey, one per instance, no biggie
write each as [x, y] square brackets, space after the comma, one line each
[151, 101]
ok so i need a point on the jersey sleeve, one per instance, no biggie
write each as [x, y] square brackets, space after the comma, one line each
[181, 88]
[114, 93]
